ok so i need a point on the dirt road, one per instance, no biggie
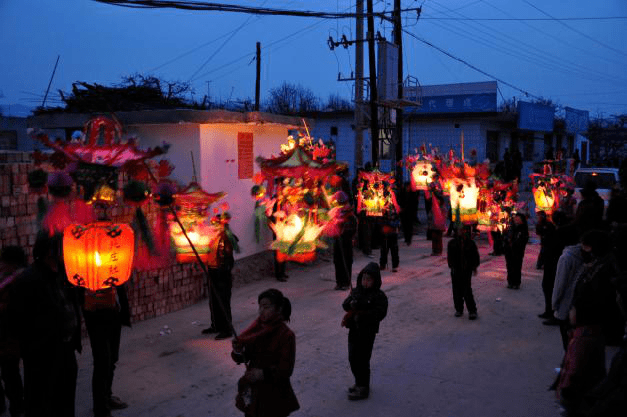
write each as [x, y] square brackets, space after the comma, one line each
[426, 362]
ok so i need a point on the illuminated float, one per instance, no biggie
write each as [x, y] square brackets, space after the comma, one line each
[290, 192]
[375, 193]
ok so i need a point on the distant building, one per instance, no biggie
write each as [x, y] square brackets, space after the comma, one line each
[446, 111]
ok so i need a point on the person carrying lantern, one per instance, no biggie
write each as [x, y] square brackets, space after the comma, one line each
[365, 307]
[221, 283]
[268, 348]
[343, 243]
[463, 259]
[515, 241]
[437, 219]
[390, 224]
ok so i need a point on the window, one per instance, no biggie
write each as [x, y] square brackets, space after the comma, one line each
[333, 130]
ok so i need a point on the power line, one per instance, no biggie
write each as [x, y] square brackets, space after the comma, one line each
[219, 7]
[526, 93]
[532, 53]
[577, 31]
[525, 19]
[562, 41]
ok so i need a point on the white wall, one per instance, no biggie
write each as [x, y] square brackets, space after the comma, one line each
[184, 140]
[218, 143]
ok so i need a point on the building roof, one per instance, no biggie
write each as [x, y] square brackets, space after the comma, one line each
[168, 116]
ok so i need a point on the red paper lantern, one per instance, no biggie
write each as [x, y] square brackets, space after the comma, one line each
[98, 255]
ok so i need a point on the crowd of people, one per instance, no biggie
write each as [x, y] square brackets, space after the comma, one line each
[584, 285]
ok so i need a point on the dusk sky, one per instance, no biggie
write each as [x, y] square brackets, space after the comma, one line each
[575, 55]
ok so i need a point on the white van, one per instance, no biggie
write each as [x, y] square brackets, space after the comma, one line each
[604, 178]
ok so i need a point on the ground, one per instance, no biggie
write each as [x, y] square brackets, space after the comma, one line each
[425, 362]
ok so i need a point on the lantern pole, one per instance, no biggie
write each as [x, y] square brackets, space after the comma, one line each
[198, 259]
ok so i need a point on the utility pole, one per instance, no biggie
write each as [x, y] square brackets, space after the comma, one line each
[258, 79]
[359, 85]
[374, 117]
[398, 40]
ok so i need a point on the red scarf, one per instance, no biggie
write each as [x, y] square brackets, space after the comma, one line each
[259, 328]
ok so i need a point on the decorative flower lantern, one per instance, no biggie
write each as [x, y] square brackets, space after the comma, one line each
[464, 195]
[422, 175]
[98, 255]
[544, 197]
[375, 193]
[193, 212]
[294, 198]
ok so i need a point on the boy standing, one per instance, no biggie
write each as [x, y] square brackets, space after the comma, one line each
[463, 259]
[365, 307]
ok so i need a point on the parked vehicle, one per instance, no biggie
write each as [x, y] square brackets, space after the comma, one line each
[604, 179]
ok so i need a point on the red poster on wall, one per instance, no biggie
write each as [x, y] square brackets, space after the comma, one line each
[244, 155]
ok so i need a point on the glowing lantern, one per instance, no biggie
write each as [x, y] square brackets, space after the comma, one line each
[544, 198]
[296, 238]
[375, 193]
[98, 255]
[421, 175]
[193, 212]
[464, 194]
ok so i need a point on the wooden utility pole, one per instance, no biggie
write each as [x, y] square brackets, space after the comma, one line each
[43, 103]
[359, 85]
[258, 78]
[374, 116]
[398, 40]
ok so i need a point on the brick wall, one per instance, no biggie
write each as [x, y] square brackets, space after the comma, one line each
[152, 292]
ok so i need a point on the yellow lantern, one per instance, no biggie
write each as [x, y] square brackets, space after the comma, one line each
[464, 195]
[98, 255]
[544, 198]
[422, 175]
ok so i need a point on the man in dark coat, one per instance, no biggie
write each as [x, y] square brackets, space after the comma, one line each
[220, 288]
[589, 213]
[515, 241]
[365, 307]
[343, 244]
[105, 312]
[45, 316]
[463, 259]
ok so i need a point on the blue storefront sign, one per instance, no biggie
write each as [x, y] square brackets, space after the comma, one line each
[535, 116]
[461, 103]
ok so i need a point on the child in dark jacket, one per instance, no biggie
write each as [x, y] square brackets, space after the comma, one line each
[365, 307]
[463, 259]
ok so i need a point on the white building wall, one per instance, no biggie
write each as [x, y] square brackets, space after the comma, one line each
[215, 156]
[219, 169]
[184, 141]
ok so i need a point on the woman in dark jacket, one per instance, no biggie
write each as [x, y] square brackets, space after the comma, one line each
[515, 242]
[268, 347]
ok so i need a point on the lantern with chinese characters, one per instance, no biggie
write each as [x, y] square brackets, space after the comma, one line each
[98, 255]
[421, 175]
[193, 212]
[464, 195]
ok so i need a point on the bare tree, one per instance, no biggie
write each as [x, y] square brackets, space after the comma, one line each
[336, 102]
[291, 99]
